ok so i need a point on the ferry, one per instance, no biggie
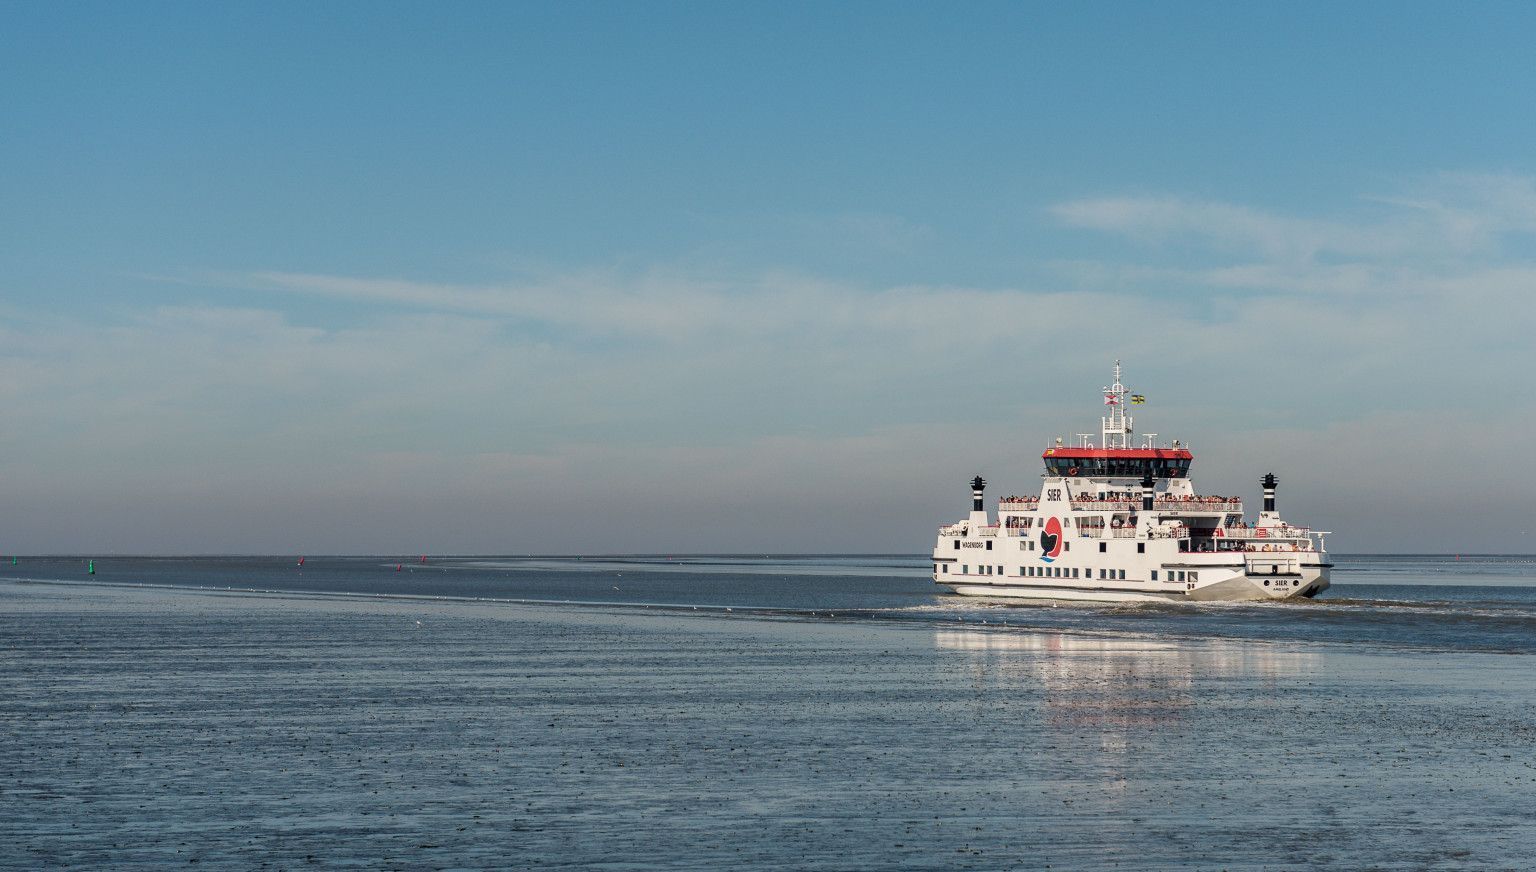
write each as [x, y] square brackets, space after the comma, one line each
[1115, 522]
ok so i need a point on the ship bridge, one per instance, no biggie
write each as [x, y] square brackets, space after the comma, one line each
[1159, 463]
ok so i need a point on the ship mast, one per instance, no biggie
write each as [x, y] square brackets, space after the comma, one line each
[1117, 424]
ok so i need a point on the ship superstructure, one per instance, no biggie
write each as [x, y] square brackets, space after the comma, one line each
[1120, 522]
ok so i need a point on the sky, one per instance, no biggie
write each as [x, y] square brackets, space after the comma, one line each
[752, 277]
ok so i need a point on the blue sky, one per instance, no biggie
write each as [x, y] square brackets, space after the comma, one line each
[763, 277]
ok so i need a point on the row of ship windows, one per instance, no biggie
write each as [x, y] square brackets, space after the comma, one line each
[1064, 572]
[1024, 545]
[1029, 545]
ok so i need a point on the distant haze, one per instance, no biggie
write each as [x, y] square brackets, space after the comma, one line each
[677, 278]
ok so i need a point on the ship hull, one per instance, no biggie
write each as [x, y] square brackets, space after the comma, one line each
[1240, 588]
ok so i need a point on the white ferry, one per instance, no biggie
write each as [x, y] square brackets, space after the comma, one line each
[1117, 523]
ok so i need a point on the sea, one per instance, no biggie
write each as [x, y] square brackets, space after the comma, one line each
[757, 711]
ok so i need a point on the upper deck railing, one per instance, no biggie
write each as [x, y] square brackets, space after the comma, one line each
[1235, 538]
[1161, 504]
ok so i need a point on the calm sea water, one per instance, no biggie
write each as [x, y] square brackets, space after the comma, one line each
[770, 712]
[1443, 602]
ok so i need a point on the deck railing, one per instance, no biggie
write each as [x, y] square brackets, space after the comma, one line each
[952, 530]
[1282, 532]
[1132, 505]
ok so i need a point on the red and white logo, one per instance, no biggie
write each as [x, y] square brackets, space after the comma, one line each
[1050, 539]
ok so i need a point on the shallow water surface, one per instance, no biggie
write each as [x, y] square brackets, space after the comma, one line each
[1470, 603]
[841, 714]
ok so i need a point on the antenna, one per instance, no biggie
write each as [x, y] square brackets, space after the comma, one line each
[1117, 425]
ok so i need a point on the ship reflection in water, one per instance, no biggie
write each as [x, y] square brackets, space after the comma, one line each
[1118, 686]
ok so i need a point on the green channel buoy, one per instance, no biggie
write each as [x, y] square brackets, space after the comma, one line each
[90, 567]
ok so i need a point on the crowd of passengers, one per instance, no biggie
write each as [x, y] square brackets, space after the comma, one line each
[1128, 496]
[1136, 495]
[1125, 496]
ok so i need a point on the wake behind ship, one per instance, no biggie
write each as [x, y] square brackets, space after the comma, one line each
[1116, 523]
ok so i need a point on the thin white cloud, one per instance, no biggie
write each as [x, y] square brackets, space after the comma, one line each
[683, 308]
[768, 410]
[1448, 216]
[1157, 219]
[589, 300]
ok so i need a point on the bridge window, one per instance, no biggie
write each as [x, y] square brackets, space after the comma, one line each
[1117, 467]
